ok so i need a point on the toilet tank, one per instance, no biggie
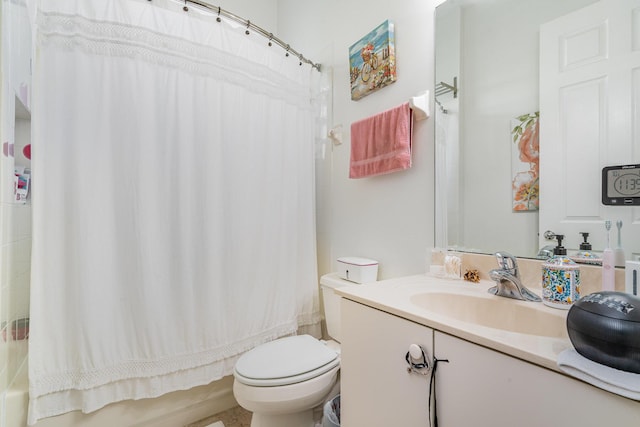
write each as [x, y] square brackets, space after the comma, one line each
[331, 302]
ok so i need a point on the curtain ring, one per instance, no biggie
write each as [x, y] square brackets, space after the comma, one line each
[270, 38]
[185, 8]
[218, 18]
[287, 53]
[248, 25]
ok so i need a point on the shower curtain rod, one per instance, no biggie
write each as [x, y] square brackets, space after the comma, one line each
[250, 26]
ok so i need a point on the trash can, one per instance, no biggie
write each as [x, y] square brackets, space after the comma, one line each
[331, 416]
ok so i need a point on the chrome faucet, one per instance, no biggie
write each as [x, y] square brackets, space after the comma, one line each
[507, 278]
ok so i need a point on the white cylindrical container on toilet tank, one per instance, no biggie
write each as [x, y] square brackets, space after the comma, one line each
[358, 270]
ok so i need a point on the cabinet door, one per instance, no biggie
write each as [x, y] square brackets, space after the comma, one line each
[376, 389]
[482, 387]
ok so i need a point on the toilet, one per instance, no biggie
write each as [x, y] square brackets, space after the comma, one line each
[284, 380]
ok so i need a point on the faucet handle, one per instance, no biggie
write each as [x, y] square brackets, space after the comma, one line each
[508, 262]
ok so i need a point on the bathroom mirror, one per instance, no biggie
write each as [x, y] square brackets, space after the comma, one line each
[487, 75]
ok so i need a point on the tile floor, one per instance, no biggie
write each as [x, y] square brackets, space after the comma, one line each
[234, 417]
[237, 417]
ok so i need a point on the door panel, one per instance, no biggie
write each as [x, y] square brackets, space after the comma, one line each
[590, 118]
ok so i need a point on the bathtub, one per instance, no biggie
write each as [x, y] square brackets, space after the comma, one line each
[171, 410]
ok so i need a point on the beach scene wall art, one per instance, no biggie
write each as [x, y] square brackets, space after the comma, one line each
[372, 61]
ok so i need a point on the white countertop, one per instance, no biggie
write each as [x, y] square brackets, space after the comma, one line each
[394, 296]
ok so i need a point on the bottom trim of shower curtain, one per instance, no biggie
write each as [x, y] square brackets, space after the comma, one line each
[309, 319]
[44, 405]
[310, 324]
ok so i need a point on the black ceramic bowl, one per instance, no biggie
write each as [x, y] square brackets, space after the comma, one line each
[605, 327]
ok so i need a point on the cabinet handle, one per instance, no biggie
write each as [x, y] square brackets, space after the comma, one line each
[417, 360]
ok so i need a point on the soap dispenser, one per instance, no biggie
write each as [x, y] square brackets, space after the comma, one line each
[585, 246]
[560, 278]
[585, 255]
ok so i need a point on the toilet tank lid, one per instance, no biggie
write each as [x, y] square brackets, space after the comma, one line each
[333, 280]
[357, 261]
[285, 357]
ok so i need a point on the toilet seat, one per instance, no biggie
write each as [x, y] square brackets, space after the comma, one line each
[285, 361]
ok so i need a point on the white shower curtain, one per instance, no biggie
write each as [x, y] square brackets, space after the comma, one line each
[173, 201]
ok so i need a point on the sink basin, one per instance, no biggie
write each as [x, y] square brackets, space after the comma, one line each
[496, 312]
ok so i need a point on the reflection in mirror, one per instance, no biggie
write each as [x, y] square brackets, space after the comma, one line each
[491, 49]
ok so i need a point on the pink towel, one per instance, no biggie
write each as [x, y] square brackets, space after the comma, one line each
[381, 144]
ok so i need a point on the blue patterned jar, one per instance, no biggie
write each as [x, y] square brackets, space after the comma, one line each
[560, 282]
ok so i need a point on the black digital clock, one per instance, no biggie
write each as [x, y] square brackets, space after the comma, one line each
[621, 185]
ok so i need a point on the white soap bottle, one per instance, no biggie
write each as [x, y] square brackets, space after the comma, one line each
[608, 264]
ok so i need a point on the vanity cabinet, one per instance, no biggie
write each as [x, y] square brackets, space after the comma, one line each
[480, 386]
[476, 387]
[376, 389]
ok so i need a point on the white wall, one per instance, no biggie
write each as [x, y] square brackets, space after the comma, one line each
[389, 218]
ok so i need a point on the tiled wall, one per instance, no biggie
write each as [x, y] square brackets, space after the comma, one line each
[15, 218]
[15, 265]
[15, 255]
